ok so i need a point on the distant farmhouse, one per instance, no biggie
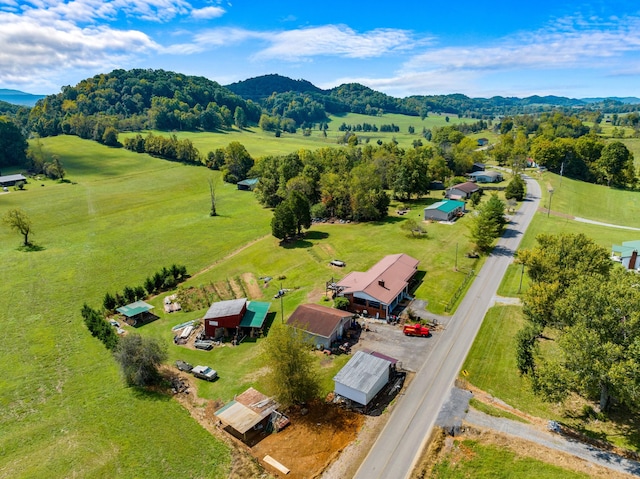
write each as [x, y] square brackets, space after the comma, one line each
[462, 191]
[627, 254]
[446, 210]
[11, 180]
[248, 184]
[489, 176]
[378, 291]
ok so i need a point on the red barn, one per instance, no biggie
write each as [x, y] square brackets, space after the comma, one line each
[224, 314]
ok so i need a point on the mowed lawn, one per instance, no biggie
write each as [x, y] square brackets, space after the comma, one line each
[121, 217]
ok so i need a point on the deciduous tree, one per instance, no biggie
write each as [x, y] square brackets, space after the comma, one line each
[292, 376]
[139, 358]
[599, 340]
[18, 220]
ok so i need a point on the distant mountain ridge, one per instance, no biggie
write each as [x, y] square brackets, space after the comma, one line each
[17, 97]
[358, 98]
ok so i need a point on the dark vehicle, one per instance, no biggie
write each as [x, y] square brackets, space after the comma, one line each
[183, 366]
[203, 344]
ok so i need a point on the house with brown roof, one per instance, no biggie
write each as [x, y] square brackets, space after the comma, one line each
[379, 290]
[462, 190]
[323, 325]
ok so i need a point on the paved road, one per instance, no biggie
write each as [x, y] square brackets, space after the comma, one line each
[398, 448]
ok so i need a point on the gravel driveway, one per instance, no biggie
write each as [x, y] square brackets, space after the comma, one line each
[553, 441]
[389, 339]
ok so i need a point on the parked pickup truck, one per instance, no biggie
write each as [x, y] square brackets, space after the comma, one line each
[204, 372]
[415, 330]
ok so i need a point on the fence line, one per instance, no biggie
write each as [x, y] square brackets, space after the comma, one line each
[459, 291]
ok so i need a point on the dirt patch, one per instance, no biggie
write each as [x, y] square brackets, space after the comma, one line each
[312, 440]
[315, 295]
[223, 290]
[251, 285]
[307, 447]
[237, 288]
[243, 465]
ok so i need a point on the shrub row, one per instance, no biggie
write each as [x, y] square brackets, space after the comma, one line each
[163, 280]
[98, 327]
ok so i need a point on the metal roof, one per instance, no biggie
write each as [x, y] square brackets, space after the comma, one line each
[222, 309]
[134, 309]
[362, 372]
[256, 313]
[385, 280]
[446, 205]
[248, 182]
[246, 410]
[10, 178]
[627, 247]
[488, 173]
[317, 319]
[468, 187]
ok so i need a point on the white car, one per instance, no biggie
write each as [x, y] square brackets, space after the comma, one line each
[337, 262]
[204, 372]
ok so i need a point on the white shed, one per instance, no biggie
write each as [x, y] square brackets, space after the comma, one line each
[362, 377]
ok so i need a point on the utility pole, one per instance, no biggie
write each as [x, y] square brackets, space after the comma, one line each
[281, 304]
[521, 275]
[550, 196]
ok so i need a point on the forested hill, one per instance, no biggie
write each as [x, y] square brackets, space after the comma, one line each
[274, 90]
[263, 86]
[140, 98]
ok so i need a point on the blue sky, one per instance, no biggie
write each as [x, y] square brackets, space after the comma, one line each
[480, 49]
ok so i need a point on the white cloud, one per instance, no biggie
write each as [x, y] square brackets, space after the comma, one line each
[207, 13]
[214, 38]
[335, 40]
[301, 44]
[569, 43]
[87, 11]
[30, 50]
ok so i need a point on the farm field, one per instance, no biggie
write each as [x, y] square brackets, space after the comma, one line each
[262, 143]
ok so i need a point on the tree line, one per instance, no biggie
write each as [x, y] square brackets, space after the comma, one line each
[591, 306]
[564, 145]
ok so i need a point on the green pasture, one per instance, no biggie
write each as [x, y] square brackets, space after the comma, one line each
[474, 459]
[64, 409]
[586, 200]
[262, 143]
